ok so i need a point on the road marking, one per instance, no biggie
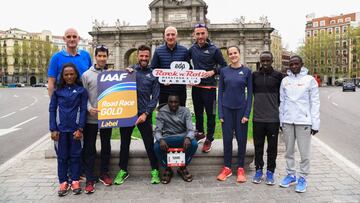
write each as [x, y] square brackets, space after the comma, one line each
[43, 140]
[4, 116]
[6, 131]
[329, 97]
[331, 154]
[36, 100]
[335, 104]
[16, 96]
[22, 123]
[22, 109]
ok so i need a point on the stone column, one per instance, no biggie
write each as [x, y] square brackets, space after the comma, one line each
[267, 42]
[202, 14]
[193, 15]
[117, 52]
[161, 15]
[242, 48]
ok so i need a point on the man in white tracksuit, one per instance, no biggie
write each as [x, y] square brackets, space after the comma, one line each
[299, 118]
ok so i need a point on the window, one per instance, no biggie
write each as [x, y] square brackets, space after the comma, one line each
[344, 61]
[308, 33]
[344, 44]
[347, 19]
[337, 30]
[322, 23]
[344, 53]
[329, 61]
[315, 33]
[340, 20]
[322, 31]
[315, 24]
[330, 30]
[344, 29]
[332, 22]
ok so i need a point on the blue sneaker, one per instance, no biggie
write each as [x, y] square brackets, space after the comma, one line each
[288, 180]
[301, 185]
[258, 176]
[269, 178]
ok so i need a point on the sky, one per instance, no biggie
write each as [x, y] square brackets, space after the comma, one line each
[288, 17]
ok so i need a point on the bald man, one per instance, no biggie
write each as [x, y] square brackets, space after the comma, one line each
[164, 55]
[80, 58]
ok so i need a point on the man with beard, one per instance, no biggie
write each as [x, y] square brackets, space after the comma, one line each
[266, 85]
[147, 98]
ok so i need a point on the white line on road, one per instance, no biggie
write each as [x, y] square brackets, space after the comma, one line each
[334, 154]
[6, 131]
[335, 104]
[36, 100]
[22, 109]
[4, 116]
[16, 96]
[15, 126]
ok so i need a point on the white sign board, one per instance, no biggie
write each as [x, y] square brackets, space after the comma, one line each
[179, 73]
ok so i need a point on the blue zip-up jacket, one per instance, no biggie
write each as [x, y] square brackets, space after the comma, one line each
[232, 85]
[207, 57]
[148, 90]
[163, 56]
[68, 101]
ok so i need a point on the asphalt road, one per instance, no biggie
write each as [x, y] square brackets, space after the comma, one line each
[340, 121]
[23, 119]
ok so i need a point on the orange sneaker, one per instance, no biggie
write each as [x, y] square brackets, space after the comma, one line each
[225, 173]
[64, 188]
[75, 187]
[241, 178]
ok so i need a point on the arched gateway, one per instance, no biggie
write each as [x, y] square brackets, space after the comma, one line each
[252, 38]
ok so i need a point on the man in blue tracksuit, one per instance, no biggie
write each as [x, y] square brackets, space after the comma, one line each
[147, 98]
[164, 55]
[205, 56]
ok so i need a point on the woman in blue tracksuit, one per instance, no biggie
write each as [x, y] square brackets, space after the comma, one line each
[68, 101]
[234, 110]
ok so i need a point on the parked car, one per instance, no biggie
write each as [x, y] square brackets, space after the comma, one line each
[38, 85]
[20, 84]
[339, 82]
[349, 86]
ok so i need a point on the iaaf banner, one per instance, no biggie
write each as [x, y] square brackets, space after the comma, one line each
[117, 99]
[179, 73]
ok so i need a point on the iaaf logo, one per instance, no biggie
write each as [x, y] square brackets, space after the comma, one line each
[113, 76]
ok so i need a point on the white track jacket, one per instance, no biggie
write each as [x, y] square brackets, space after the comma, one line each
[299, 100]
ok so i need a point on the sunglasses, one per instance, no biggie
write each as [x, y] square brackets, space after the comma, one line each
[199, 25]
[102, 47]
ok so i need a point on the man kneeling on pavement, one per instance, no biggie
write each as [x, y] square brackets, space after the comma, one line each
[174, 129]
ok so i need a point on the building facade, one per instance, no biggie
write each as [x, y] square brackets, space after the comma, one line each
[122, 40]
[25, 56]
[334, 60]
[276, 49]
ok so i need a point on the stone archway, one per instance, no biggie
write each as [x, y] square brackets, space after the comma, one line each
[130, 57]
[32, 80]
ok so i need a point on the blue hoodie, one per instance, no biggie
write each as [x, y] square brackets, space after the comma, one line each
[68, 102]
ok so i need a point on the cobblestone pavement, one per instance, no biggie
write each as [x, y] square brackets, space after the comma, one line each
[32, 178]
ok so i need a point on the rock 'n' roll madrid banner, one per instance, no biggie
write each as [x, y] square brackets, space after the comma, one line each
[117, 100]
[179, 73]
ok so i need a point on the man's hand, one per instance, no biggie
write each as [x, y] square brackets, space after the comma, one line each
[313, 132]
[129, 69]
[244, 120]
[163, 145]
[221, 120]
[55, 135]
[209, 74]
[93, 112]
[187, 143]
[78, 134]
[141, 119]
